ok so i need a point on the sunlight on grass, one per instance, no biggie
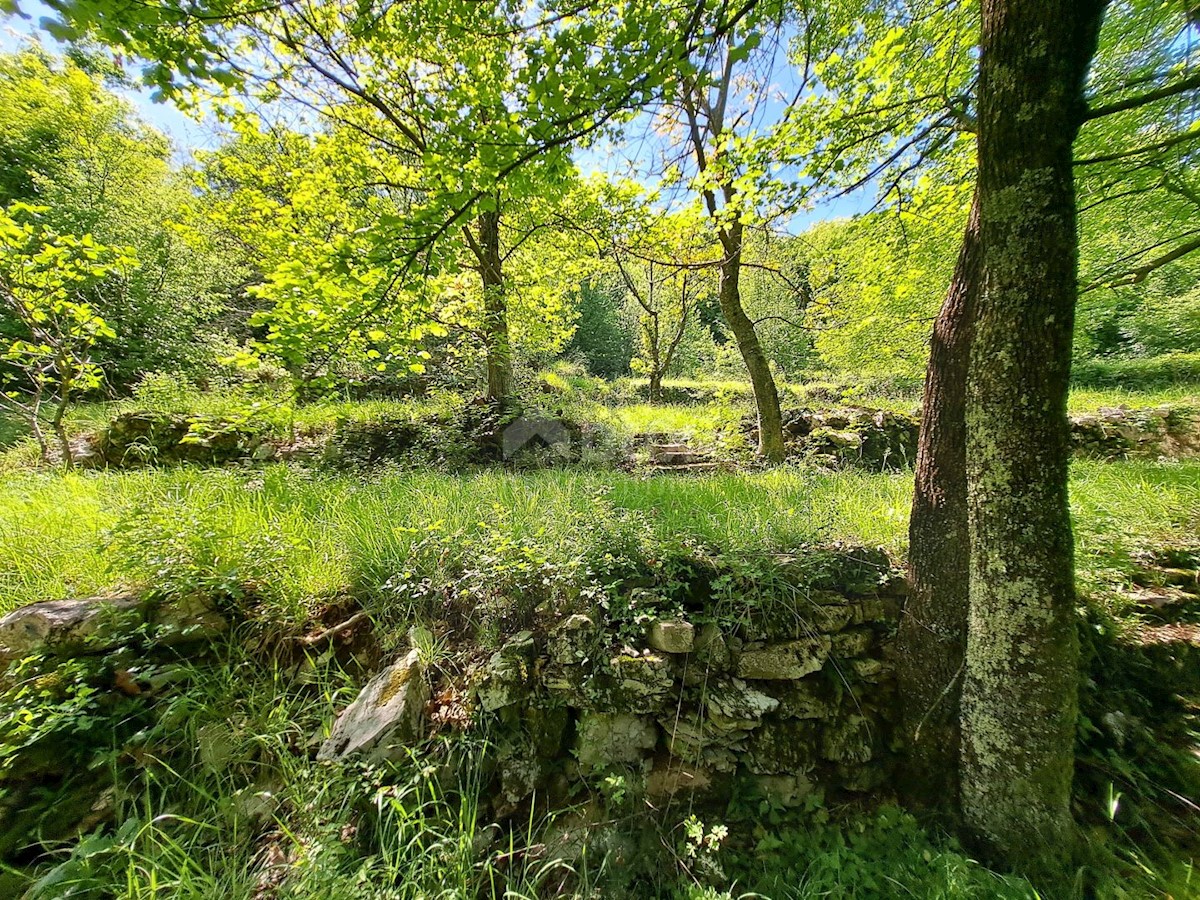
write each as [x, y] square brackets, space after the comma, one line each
[304, 536]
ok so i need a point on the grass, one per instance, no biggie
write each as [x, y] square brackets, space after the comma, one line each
[307, 536]
[221, 804]
[64, 534]
[298, 537]
[712, 418]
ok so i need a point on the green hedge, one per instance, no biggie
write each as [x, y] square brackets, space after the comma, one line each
[1146, 372]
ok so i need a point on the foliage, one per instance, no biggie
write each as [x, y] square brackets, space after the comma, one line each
[72, 146]
[46, 282]
[603, 337]
[1139, 373]
[879, 855]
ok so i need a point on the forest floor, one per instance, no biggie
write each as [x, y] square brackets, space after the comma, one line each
[303, 539]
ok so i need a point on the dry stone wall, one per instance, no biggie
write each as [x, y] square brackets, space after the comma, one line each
[791, 688]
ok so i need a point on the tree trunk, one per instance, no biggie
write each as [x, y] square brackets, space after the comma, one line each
[495, 309]
[58, 424]
[1019, 704]
[655, 385]
[766, 395]
[932, 641]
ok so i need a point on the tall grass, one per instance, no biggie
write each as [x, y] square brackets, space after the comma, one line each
[300, 535]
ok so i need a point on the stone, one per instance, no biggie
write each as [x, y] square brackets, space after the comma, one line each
[187, 619]
[546, 728]
[783, 747]
[574, 641]
[613, 739]
[91, 625]
[788, 661]
[629, 682]
[875, 610]
[506, 677]
[697, 740]
[519, 777]
[785, 790]
[829, 618]
[848, 739]
[672, 636]
[152, 438]
[388, 714]
[643, 683]
[733, 700]
[670, 776]
[852, 643]
[710, 651]
[862, 778]
[870, 670]
[806, 699]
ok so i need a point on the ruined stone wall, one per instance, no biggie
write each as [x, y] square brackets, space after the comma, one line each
[792, 689]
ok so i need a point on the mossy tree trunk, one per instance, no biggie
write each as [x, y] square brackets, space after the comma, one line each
[762, 379]
[495, 309]
[1019, 704]
[932, 640]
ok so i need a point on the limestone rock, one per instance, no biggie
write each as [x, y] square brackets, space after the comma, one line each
[387, 714]
[784, 747]
[787, 661]
[574, 641]
[672, 636]
[671, 776]
[643, 683]
[786, 790]
[698, 740]
[855, 642]
[710, 656]
[506, 678]
[606, 739]
[805, 700]
[628, 682]
[90, 625]
[870, 670]
[187, 619]
[848, 739]
[829, 618]
[734, 700]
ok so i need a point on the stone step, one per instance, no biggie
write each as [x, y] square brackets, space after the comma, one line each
[686, 468]
[1166, 603]
[677, 455]
[1158, 576]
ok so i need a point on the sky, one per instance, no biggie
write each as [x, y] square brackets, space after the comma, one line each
[188, 135]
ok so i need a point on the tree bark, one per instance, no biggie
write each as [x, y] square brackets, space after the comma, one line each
[932, 640]
[655, 390]
[495, 308]
[762, 380]
[1019, 704]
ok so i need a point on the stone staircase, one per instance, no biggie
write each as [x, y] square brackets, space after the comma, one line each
[680, 458]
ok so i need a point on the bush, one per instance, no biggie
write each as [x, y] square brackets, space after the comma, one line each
[1139, 373]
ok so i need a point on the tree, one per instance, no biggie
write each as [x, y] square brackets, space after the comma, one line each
[472, 120]
[728, 184]
[603, 338]
[878, 279]
[1139, 42]
[69, 144]
[662, 261]
[1019, 687]
[43, 279]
